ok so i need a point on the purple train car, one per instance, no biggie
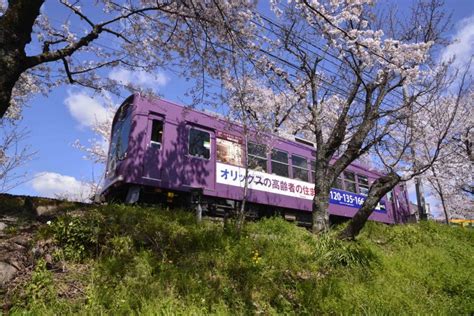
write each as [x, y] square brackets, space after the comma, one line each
[164, 152]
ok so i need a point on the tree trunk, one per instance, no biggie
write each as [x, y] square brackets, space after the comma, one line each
[16, 26]
[439, 189]
[6, 89]
[379, 188]
[443, 201]
[322, 186]
[320, 220]
[12, 65]
[243, 204]
[446, 215]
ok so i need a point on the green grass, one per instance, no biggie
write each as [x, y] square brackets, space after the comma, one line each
[149, 261]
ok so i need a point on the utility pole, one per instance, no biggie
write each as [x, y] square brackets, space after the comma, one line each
[420, 199]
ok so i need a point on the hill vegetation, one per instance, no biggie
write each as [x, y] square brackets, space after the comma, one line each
[126, 260]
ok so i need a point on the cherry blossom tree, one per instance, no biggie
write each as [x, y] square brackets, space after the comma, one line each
[354, 73]
[451, 176]
[40, 49]
[13, 154]
[414, 146]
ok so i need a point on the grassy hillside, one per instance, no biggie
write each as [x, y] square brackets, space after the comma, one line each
[126, 260]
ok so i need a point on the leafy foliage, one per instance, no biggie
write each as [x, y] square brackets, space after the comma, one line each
[153, 261]
[77, 236]
[40, 290]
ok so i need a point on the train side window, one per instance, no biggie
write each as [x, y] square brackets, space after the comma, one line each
[257, 157]
[199, 143]
[363, 182]
[312, 167]
[390, 196]
[280, 163]
[349, 181]
[156, 133]
[300, 168]
[338, 183]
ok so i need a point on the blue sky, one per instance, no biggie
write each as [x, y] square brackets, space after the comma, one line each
[57, 120]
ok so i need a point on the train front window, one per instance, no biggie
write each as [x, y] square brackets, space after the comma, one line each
[156, 133]
[121, 133]
[300, 168]
[199, 143]
[349, 181]
[257, 157]
[280, 163]
[363, 182]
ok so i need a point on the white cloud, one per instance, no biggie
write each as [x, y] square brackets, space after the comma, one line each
[51, 184]
[140, 78]
[86, 110]
[462, 49]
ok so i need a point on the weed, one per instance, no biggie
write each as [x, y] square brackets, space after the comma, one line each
[39, 292]
[77, 236]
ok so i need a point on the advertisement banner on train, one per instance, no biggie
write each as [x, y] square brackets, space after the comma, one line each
[261, 181]
[350, 199]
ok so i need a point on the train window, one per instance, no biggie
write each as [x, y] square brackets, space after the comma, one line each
[199, 143]
[349, 181]
[156, 133]
[363, 182]
[280, 163]
[257, 157]
[300, 168]
[390, 196]
[312, 166]
[338, 183]
[121, 133]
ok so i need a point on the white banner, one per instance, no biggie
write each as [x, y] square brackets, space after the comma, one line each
[261, 181]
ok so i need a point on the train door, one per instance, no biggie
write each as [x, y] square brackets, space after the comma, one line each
[153, 155]
[199, 169]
